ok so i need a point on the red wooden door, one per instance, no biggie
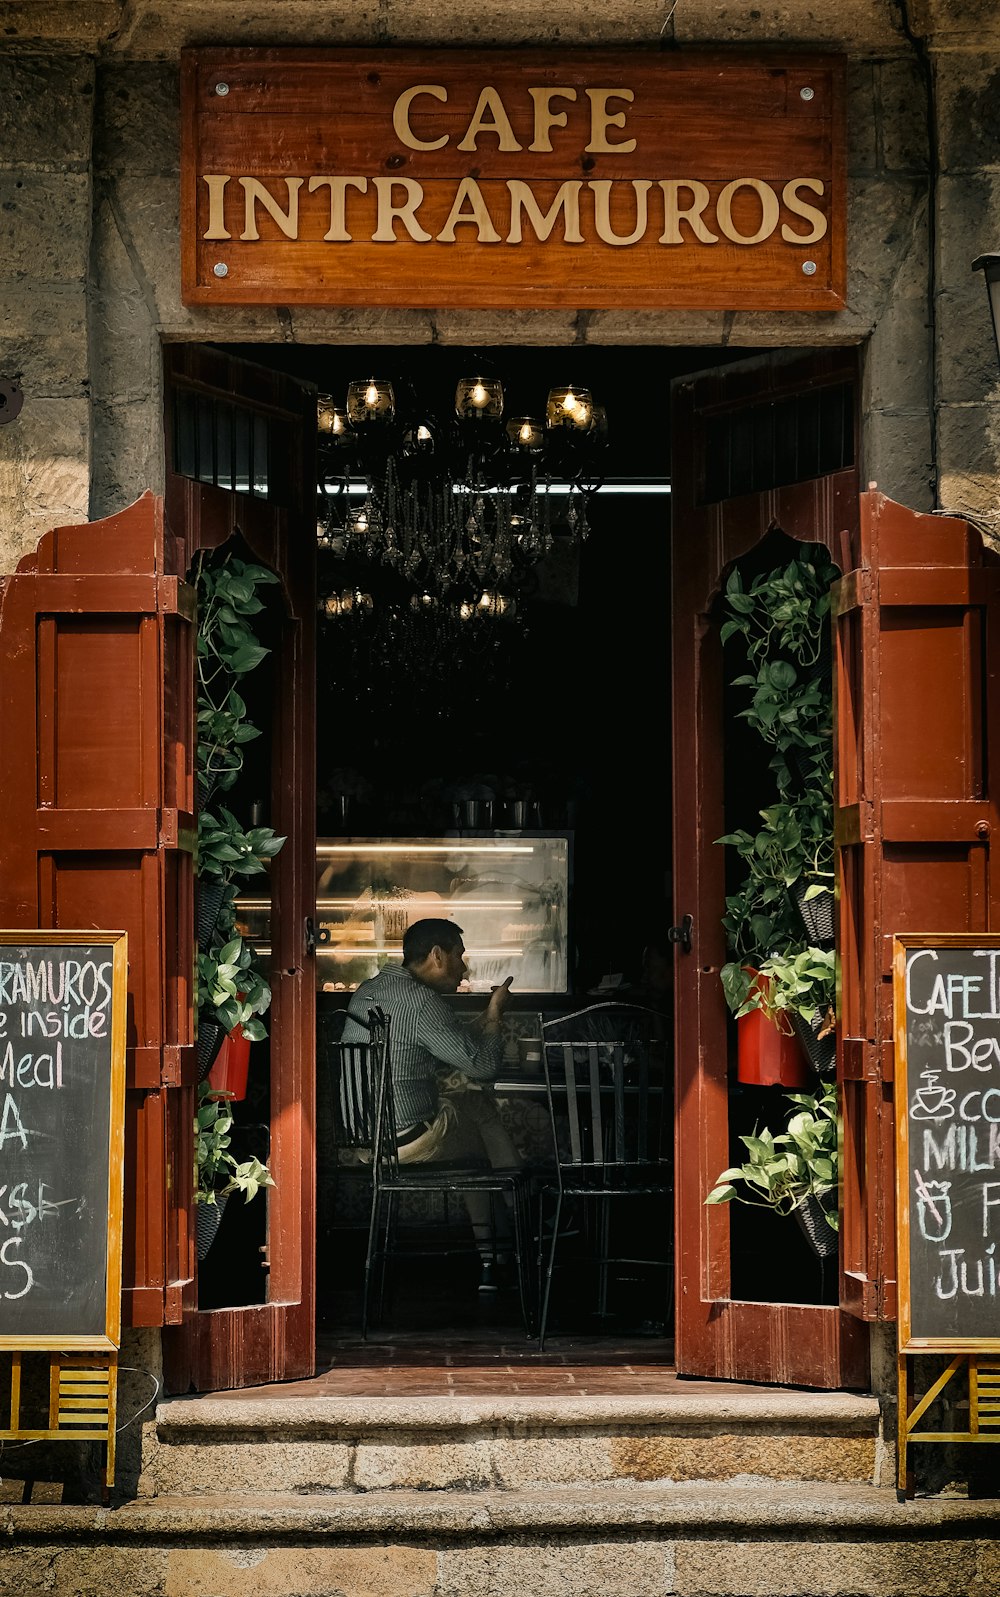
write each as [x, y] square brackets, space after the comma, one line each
[239, 455]
[96, 830]
[764, 445]
[917, 782]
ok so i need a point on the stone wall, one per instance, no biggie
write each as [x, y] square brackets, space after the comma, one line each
[100, 80]
[46, 130]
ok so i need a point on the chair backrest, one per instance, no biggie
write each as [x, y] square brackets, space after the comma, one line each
[604, 1108]
[360, 1072]
[385, 1155]
[611, 1021]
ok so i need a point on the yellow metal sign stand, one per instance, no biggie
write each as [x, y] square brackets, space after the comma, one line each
[984, 1408]
[83, 1404]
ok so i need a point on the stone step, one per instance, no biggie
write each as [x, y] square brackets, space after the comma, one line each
[335, 1444]
[688, 1540]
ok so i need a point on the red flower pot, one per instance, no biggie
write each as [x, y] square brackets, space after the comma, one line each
[768, 1055]
[231, 1068]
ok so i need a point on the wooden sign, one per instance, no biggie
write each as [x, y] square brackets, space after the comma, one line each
[947, 1021]
[62, 1096]
[454, 178]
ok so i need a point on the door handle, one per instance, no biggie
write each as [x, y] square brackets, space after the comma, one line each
[310, 936]
[682, 933]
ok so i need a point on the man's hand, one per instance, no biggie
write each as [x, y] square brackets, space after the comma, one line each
[495, 1008]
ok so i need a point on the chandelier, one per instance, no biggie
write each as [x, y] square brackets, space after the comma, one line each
[460, 505]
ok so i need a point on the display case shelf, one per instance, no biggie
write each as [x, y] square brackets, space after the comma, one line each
[509, 893]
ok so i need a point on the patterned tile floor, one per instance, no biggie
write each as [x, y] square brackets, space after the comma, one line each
[580, 1367]
[574, 1367]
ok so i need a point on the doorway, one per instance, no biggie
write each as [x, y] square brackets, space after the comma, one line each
[546, 720]
[582, 669]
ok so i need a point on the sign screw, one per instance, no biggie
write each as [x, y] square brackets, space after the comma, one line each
[222, 270]
[809, 267]
[223, 88]
[804, 94]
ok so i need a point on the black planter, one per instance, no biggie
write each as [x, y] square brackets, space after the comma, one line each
[822, 1051]
[211, 896]
[820, 1236]
[816, 913]
[207, 1222]
[211, 1036]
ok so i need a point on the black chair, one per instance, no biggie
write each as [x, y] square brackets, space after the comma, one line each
[610, 1129]
[366, 1116]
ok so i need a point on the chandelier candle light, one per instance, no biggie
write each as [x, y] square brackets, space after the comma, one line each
[460, 502]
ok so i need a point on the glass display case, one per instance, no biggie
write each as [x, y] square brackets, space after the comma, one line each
[509, 894]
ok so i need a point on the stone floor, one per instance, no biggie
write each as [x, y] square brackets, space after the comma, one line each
[413, 1365]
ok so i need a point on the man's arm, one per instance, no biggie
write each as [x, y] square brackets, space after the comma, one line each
[476, 1051]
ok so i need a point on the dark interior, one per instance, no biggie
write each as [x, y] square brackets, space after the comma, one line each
[568, 704]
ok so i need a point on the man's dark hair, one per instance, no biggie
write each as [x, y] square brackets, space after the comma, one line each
[423, 935]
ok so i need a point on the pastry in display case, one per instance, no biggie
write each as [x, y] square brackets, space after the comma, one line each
[509, 894]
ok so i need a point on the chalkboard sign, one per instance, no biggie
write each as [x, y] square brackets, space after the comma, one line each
[947, 1026]
[62, 1094]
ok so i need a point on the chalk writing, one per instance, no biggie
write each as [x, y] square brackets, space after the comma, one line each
[55, 1106]
[952, 1017]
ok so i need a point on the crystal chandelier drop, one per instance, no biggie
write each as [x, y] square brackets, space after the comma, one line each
[459, 505]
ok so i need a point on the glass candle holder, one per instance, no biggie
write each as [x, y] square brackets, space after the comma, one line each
[526, 433]
[330, 419]
[479, 398]
[373, 401]
[570, 407]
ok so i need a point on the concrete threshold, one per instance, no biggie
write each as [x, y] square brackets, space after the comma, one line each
[838, 1413]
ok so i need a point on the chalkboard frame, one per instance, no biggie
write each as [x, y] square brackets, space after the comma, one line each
[117, 942]
[908, 1343]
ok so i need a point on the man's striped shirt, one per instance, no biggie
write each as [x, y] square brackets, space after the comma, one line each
[423, 1034]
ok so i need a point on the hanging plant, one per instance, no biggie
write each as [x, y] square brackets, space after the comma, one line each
[227, 648]
[232, 993]
[781, 983]
[792, 852]
[783, 617]
[784, 985]
[782, 612]
[219, 1173]
[792, 1169]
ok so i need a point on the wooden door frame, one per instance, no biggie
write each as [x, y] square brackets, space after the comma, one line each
[275, 1340]
[717, 1335]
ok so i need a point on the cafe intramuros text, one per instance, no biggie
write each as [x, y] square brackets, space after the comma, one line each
[686, 209]
[650, 160]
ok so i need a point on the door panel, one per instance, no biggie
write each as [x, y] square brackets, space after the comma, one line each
[725, 430]
[95, 652]
[240, 465]
[916, 806]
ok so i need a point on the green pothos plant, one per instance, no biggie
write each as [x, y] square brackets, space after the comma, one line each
[803, 983]
[782, 618]
[784, 1169]
[231, 989]
[217, 1171]
[777, 968]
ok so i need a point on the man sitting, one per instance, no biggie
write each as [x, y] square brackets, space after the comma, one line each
[462, 1123]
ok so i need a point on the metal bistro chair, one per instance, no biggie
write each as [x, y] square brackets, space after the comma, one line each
[607, 1123]
[367, 1122]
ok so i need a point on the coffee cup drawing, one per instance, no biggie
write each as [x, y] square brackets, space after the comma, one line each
[933, 1102]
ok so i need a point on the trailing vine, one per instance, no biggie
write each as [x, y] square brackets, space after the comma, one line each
[231, 989]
